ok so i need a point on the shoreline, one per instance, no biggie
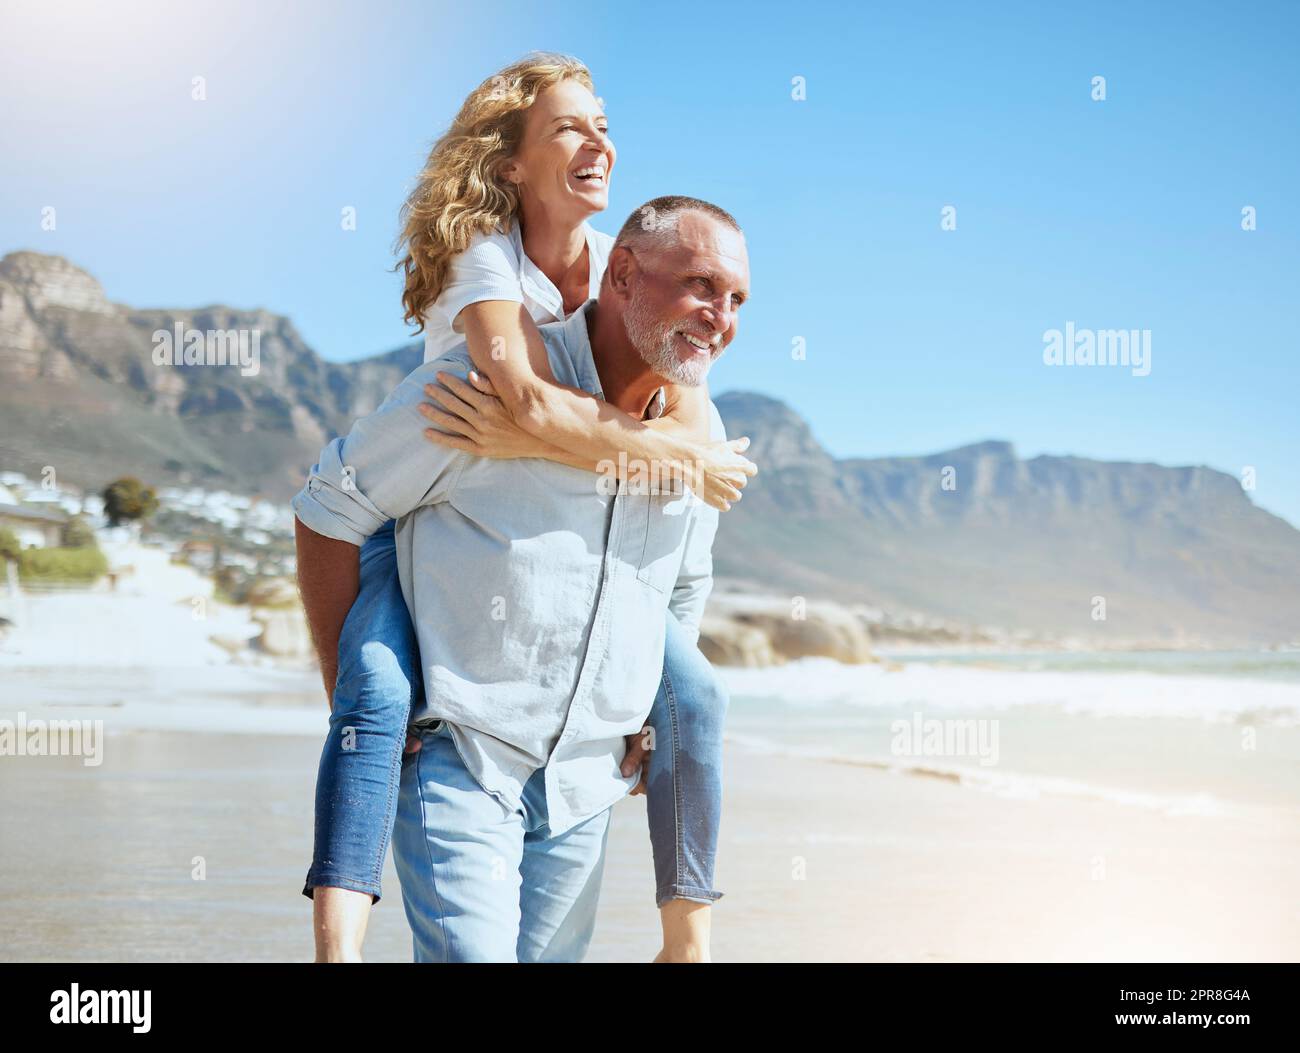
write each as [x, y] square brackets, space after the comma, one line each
[146, 626]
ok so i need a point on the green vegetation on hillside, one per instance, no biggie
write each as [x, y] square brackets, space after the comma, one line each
[64, 566]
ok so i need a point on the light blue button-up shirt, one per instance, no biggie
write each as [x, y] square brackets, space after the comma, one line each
[539, 593]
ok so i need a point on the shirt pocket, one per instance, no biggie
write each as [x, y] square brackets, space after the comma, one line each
[662, 519]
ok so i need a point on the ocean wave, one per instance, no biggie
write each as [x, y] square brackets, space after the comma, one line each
[817, 682]
[1010, 785]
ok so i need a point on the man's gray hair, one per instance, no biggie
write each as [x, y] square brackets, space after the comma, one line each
[657, 219]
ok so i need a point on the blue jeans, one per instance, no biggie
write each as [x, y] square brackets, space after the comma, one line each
[379, 681]
[684, 772]
[485, 882]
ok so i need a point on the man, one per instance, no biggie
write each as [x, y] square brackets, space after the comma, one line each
[539, 597]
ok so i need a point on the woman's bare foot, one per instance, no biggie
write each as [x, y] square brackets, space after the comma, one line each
[683, 954]
[339, 917]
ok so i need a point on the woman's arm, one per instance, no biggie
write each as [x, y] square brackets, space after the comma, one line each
[470, 417]
[574, 427]
[505, 344]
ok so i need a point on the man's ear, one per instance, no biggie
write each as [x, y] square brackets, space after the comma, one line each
[620, 269]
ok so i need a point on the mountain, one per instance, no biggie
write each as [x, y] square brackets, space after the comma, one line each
[80, 390]
[1177, 554]
[974, 535]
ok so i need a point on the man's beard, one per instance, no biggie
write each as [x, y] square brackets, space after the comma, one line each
[653, 341]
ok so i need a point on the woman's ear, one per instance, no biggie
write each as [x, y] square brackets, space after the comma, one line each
[509, 171]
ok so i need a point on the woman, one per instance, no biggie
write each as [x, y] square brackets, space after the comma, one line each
[497, 242]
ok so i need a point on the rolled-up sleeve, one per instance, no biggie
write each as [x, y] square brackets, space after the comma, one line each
[695, 577]
[384, 467]
[330, 503]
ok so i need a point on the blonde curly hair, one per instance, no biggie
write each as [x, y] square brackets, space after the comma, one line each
[460, 191]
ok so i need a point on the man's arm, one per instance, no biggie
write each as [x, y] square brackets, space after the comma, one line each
[361, 481]
[329, 575]
[695, 579]
[695, 576]
[686, 604]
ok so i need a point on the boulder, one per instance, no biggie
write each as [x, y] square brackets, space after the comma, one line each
[284, 633]
[751, 630]
[272, 592]
[725, 641]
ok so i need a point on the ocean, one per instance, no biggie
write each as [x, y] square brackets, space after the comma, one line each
[1205, 732]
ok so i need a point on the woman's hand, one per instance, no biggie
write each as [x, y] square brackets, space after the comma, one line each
[720, 472]
[472, 418]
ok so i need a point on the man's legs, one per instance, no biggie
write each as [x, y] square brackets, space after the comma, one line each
[561, 888]
[458, 851]
[485, 883]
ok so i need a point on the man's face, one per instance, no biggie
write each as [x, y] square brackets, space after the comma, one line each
[684, 298]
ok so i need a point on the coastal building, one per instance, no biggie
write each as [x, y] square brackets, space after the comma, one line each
[201, 555]
[34, 527]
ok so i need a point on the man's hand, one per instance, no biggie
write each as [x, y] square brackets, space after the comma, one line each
[637, 757]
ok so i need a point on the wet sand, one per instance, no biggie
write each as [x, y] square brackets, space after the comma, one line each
[819, 862]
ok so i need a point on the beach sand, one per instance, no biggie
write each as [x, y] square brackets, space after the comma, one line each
[820, 861]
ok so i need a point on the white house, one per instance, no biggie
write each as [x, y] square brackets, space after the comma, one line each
[34, 527]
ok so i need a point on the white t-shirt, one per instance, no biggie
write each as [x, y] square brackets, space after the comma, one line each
[494, 267]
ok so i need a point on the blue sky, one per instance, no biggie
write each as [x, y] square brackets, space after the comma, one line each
[1120, 214]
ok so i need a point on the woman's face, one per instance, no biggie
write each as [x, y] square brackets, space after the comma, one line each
[564, 161]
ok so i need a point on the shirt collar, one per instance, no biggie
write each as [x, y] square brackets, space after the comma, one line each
[540, 287]
[577, 338]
